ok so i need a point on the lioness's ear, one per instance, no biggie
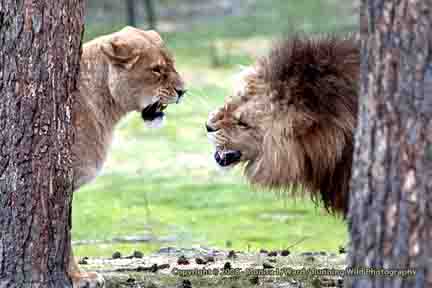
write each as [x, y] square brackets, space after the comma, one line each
[119, 52]
[154, 37]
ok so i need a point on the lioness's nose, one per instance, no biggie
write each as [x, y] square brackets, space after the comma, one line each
[210, 129]
[180, 92]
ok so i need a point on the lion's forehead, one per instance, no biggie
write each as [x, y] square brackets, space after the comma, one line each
[246, 100]
[245, 108]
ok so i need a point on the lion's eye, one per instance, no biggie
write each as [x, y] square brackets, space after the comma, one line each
[157, 70]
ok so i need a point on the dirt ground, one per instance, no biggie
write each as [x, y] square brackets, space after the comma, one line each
[185, 268]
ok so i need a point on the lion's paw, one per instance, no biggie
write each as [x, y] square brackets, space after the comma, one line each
[88, 280]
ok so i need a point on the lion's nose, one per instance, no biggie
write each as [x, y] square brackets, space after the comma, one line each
[210, 129]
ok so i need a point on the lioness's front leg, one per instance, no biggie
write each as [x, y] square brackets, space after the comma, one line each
[82, 279]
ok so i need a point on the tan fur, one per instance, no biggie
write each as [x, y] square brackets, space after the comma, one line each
[111, 87]
[122, 72]
[294, 118]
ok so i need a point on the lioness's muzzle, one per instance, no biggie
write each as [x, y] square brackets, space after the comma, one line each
[226, 158]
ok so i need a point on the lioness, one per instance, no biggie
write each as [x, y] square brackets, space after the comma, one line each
[129, 70]
[291, 119]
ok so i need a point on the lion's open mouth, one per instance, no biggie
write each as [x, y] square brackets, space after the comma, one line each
[227, 157]
[154, 111]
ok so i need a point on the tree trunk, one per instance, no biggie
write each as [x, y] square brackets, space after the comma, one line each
[391, 203]
[39, 66]
[151, 14]
[131, 12]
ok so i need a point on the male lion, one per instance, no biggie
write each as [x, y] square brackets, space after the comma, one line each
[292, 117]
[129, 70]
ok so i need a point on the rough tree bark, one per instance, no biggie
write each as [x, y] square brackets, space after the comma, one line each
[391, 203]
[39, 66]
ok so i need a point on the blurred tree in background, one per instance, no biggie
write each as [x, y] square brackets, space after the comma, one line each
[132, 9]
[131, 12]
[151, 14]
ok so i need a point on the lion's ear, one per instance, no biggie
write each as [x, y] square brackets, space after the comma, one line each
[119, 52]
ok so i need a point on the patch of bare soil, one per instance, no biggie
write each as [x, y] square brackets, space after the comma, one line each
[173, 268]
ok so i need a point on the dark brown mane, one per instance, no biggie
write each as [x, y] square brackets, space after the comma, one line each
[303, 69]
[314, 82]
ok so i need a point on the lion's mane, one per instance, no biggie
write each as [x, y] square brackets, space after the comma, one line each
[313, 83]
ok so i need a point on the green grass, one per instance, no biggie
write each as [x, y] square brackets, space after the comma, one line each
[164, 183]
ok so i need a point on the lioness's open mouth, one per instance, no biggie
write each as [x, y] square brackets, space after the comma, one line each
[227, 157]
[154, 111]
